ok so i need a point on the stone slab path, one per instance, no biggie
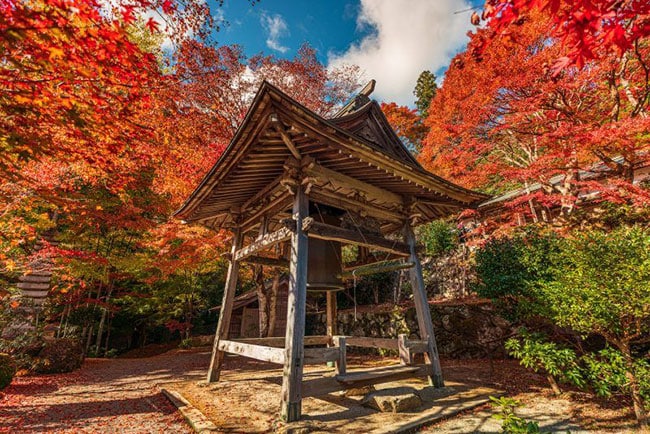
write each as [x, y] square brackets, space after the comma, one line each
[107, 396]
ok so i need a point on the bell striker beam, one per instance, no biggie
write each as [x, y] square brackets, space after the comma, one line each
[422, 308]
[291, 406]
[223, 325]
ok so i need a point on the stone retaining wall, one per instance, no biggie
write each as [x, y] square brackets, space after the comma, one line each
[471, 330]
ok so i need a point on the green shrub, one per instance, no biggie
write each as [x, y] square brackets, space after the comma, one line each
[535, 353]
[7, 370]
[60, 355]
[510, 422]
[510, 270]
[438, 237]
[606, 372]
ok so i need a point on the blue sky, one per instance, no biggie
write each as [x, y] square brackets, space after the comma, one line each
[391, 40]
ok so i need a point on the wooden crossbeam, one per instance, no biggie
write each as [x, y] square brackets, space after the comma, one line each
[267, 241]
[375, 374]
[258, 352]
[364, 342]
[263, 260]
[376, 267]
[280, 341]
[324, 231]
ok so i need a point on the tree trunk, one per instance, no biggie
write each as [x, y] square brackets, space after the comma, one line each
[88, 340]
[554, 386]
[108, 335]
[102, 322]
[635, 389]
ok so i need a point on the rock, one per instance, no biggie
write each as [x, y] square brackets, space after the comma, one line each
[429, 394]
[395, 400]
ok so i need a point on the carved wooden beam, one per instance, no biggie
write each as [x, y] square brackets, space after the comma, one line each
[268, 240]
[262, 260]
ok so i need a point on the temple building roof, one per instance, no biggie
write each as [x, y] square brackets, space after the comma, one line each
[353, 161]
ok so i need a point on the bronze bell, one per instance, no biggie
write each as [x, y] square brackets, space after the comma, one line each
[324, 261]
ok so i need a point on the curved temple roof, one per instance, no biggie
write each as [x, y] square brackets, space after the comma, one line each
[353, 159]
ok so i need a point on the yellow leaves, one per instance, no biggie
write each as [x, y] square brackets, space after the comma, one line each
[56, 53]
[10, 265]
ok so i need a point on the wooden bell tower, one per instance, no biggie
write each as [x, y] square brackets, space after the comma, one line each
[291, 178]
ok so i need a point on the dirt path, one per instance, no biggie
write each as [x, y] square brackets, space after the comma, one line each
[108, 396]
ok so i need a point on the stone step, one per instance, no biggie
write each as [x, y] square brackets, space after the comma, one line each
[34, 294]
[34, 278]
[33, 286]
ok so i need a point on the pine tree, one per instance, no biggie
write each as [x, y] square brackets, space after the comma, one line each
[425, 90]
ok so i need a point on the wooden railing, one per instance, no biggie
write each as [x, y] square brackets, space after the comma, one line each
[272, 349]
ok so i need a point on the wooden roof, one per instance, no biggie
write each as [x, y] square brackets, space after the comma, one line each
[377, 169]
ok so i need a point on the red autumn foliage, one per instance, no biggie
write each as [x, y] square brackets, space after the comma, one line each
[587, 29]
[499, 125]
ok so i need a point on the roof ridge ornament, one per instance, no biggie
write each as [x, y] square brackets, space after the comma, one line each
[357, 101]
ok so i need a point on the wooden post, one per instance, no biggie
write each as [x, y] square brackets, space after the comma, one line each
[341, 363]
[223, 326]
[296, 301]
[404, 352]
[331, 317]
[422, 308]
[331, 313]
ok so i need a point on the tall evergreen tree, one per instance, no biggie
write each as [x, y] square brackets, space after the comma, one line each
[425, 90]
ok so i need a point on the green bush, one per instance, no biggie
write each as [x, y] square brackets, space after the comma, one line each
[60, 355]
[591, 282]
[438, 237]
[510, 270]
[606, 373]
[535, 353]
[510, 422]
[7, 370]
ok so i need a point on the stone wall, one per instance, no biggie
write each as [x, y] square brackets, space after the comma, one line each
[467, 330]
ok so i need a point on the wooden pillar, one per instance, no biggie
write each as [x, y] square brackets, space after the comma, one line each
[422, 308]
[331, 313]
[331, 319]
[223, 326]
[294, 344]
[341, 363]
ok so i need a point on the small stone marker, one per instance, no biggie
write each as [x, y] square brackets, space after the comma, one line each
[395, 400]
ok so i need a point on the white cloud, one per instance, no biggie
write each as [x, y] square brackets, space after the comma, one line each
[408, 37]
[276, 28]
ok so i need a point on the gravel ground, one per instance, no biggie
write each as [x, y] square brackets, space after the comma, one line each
[552, 415]
[108, 396]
